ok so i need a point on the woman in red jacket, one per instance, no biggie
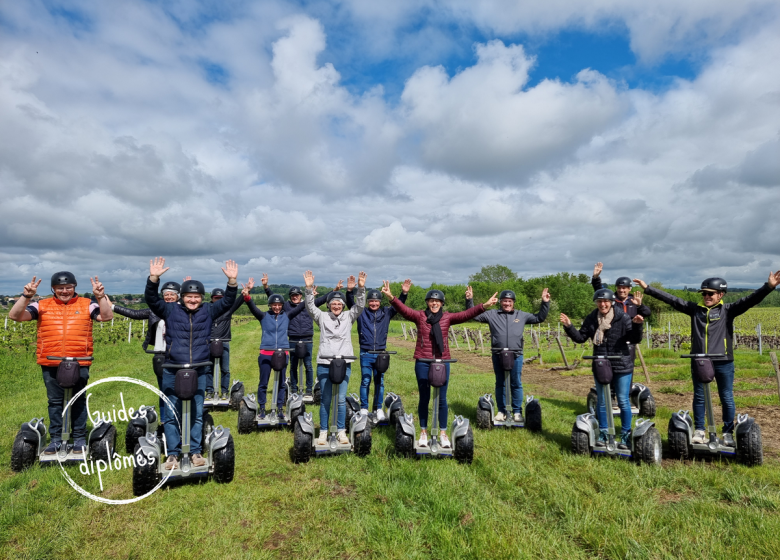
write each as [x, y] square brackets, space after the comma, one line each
[433, 327]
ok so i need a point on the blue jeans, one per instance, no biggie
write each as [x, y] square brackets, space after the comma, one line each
[306, 364]
[515, 382]
[724, 377]
[421, 371]
[56, 397]
[621, 384]
[327, 388]
[224, 367]
[171, 425]
[265, 374]
[368, 371]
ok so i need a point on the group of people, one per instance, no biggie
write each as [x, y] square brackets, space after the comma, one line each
[181, 324]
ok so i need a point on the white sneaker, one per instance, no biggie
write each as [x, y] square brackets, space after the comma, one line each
[323, 439]
[343, 439]
[699, 436]
[445, 441]
[518, 417]
[423, 439]
[364, 411]
[500, 417]
[380, 415]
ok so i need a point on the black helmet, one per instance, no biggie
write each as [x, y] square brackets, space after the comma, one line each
[623, 281]
[63, 278]
[192, 287]
[714, 285]
[507, 294]
[435, 294]
[295, 290]
[171, 286]
[604, 293]
[217, 292]
[275, 298]
[373, 294]
[336, 295]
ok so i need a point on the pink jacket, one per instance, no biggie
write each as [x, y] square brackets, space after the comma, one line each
[425, 342]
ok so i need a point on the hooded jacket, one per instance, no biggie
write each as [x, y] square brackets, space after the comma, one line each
[506, 329]
[616, 339]
[335, 331]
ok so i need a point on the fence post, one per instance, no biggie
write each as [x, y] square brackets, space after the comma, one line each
[143, 327]
[670, 335]
[773, 355]
[129, 331]
[642, 361]
[6, 322]
[560, 347]
[760, 345]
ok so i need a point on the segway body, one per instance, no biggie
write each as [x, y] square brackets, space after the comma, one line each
[392, 407]
[249, 417]
[642, 401]
[301, 351]
[487, 408]
[236, 392]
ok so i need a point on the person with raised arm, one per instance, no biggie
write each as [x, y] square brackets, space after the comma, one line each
[712, 332]
[64, 329]
[187, 333]
[632, 303]
[335, 340]
[221, 329]
[612, 331]
[506, 331]
[433, 328]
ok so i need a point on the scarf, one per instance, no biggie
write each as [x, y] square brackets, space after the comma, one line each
[605, 323]
[433, 320]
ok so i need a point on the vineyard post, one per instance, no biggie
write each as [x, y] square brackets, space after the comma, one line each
[773, 355]
[642, 361]
[670, 335]
[112, 323]
[403, 328]
[648, 336]
[129, 331]
[6, 322]
[760, 345]
[481, 342]
[143, 328]
[468, 341]
[560, 347]
[455, 338]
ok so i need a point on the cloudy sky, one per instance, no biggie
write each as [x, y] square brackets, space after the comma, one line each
[418, 139]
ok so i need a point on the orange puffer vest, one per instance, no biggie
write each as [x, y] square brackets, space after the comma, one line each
[64, 329]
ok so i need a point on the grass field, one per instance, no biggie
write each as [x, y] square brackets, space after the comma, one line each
[525, 495]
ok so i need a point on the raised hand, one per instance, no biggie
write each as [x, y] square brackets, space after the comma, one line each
[469, 293]
[231, 270]
[406, 286]
[97, 288]
[246, 288]
[774, 278]
[264, 280]
[187, 278]
[567, 322]
[638, 319]
[637, 297]
[642, 283]
[492, 301]
[597, 269]
[314, 291]
[31, 288]
[339, 285]
[308, 278]
[351, 283]
[386, 289]
[157, 268]
[545, 295]
[361, 279]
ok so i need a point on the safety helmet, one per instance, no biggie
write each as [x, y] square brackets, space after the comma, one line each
[63, 278]
[295, 290]
[217, 292]
[714, 285]
[623, 281]
[275, 298]
[336, 295]
[604, 293]
[435, 294]
[373, 294]
[171, 287]
[192, 287]
[507, 294]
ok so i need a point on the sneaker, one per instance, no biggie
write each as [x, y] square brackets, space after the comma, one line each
[445, 441]
[364, 411]
[52, 448]
[79, 447]
[728, 439]
[380, 415]
[224, 396]
[280, 413]
[308, 394]
[423, 439]
[197, 460]
[518, 417]
[602, 439]
[171, 463]
[500, 417]
[261, 414]
[323, 439]
[343, 439]
[699, 436]
[625, 438]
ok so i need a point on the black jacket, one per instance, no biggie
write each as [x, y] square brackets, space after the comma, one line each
[712, 329]
[628, 304]
[220, 328]
[616, 340]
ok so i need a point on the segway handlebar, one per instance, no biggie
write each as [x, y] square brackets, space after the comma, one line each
[154, 351]
[602, 357]
[186, 366]
[436, 360]
[503, 349]
[219, 340]
[338, 357]
[280, 349]
[703, 356]
[70, 359]
[381, 352]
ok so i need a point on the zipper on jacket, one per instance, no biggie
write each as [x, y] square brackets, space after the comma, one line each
[190, 314]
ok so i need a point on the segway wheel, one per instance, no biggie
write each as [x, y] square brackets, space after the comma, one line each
[246, 418]
[350, 413]
[678, 445]
[404, 443]
[362, 443]
[22, 454]
[317, 394]
[208, 425]
[396, 414]
[484, 419]
[301, 444]
[647, 407]
[647, 447]
[145, 477]
[295, 414]
[580, 442]
[750, 447]
[225, 462]
[97, 449]
[592, 402]
[132, 434]
[533, 416]
[464, 447]
[236, 397]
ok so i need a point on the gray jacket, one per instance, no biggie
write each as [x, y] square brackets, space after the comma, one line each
[335, 332]
[506, 329]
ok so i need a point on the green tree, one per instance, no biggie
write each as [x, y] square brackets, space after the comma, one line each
[494, 274]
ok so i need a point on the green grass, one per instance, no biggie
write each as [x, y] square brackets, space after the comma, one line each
[525, 495]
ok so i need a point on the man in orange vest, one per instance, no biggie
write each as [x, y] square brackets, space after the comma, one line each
[64, 329]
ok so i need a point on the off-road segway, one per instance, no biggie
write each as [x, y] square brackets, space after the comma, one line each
[642, 401]
[218, 449]
[645, 439]
[391, 408]
[216, 349]
[301, 351]
[406, 442]
[358, 426]
[749, 448]
[30, 441]
[486, 406]
[250, 418]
